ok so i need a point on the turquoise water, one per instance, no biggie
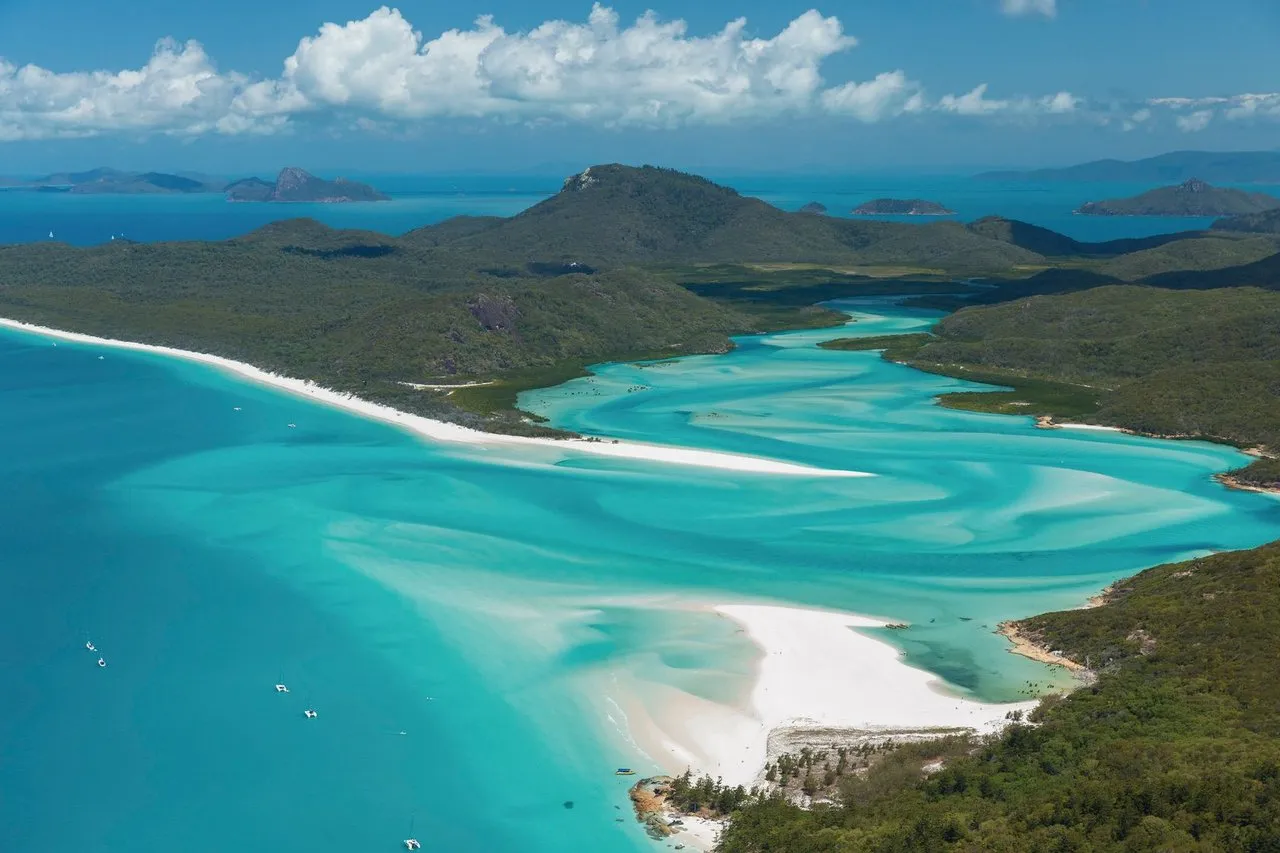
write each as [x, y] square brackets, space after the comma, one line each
[457, 615]
[420, 200]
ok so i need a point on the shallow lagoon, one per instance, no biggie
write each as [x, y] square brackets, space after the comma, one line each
[491, 604]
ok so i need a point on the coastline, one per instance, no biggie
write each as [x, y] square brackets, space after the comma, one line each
[442, 431]
[1029, 647]
[1235, 483]
[815, 672]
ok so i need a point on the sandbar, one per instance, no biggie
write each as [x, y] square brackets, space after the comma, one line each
[815, 671]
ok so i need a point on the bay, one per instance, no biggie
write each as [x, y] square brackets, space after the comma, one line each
[462, 618]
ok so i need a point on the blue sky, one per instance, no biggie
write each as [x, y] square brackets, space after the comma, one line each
[855, 85]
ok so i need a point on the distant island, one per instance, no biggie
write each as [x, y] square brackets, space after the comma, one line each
[1240, 167]
[814, 207]
[104, 181]
[292, 185]
[901, 207]
[295, 185]
[1193, 197]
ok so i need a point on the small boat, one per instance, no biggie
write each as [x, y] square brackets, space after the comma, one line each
[88, 644]
[293, 426]
[102, 662]
[624, 771]
[50, 235]
[235, 409]
[280, 688]
[100, 358]
[310, 714]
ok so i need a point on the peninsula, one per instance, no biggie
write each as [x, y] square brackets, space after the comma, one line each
[1193, 197]
[901, 207]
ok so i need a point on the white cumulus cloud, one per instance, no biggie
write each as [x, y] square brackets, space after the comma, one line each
[1195, 114]
[890, 93]
[976, 103]
[650, 72]
[380, 74]
[178, 91]
[1048, 8]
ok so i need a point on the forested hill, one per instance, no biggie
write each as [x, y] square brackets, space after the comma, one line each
[615, 214]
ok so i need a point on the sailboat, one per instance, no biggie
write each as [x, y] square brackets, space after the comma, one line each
[412, 843]
[50, 235]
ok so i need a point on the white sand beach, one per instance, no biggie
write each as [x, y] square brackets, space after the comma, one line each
[814, 671]
[1095, 427]
[442, 431]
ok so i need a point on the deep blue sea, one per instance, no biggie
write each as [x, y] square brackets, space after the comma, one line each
[461, 617]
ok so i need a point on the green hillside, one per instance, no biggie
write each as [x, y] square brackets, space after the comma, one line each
[1203, 253]
[613, 214]
[1200, 364]
[1266, 222]
[358, 311]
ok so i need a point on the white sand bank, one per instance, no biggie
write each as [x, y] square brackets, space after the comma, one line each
[814, 672]
[1095, 427]
[447, 432]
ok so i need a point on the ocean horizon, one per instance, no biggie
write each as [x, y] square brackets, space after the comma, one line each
[474, 625]
[418, 200]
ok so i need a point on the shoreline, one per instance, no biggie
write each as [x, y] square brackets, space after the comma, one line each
[1028, 647]
[815, 672]
[444, 432]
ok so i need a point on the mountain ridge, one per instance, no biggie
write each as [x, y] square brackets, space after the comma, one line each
[1240, 167]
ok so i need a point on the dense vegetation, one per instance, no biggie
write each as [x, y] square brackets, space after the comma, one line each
[1267, 222]
[1175, 748]
[614, 214]
[357, 311]
[1193, 197]
[1177, 363]
[1194, 254]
